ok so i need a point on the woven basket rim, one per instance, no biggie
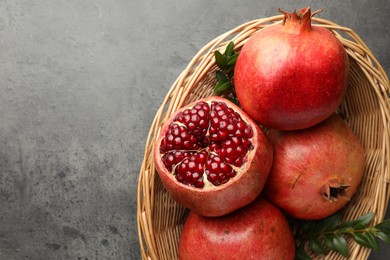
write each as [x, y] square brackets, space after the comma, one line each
[180, 94]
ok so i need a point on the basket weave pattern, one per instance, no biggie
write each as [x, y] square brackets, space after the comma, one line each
[366, 109]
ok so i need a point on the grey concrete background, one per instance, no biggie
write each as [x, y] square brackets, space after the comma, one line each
[80, 82]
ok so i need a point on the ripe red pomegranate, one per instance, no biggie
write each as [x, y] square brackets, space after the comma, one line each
[212, 158]
[257, 231]
[316, 170]
[291, 75]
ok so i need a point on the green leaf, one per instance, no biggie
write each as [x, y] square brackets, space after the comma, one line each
[316, 245]
[232, 59]
[366, 239]
[363, 221]
[383, 235]
[361, 239]
[330, 223]
[300, 253]
[341, 245]
[329, 242]
[371, 238]
[347, 225]
[221, 77]
[220, 60]
[221, 86]
[229, 50]
[383, 225]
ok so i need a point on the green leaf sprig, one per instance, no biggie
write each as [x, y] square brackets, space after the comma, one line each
[225, 73]
[329, 234]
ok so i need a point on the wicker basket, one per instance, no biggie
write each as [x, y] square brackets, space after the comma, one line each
[366, 109]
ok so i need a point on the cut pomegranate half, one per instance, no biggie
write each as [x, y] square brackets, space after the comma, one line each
[211, 157]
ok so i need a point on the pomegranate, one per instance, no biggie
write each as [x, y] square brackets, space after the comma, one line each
[316, 170]
[257, 231]
[291, 75]
[212, 158]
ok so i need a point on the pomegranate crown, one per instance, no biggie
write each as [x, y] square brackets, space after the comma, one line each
[301, 17]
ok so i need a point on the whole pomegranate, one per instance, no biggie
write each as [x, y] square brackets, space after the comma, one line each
[316, 170]
[257, 231]
[291, 75]
[211, 157]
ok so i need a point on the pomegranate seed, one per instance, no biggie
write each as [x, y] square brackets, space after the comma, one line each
[230, 128]
[199, 183]
[239, 162]
[221, 113]
[229, 152]
[248, 132]
[212, 177]
[245, 143]
[223, 135]
[202, 158]
[223, 178]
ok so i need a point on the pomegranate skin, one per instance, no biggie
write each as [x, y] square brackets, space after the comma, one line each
[292, 75]
[317, 170]
[257, 231]
[239, 191]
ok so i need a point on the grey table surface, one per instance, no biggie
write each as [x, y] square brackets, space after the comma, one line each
[80, 83]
